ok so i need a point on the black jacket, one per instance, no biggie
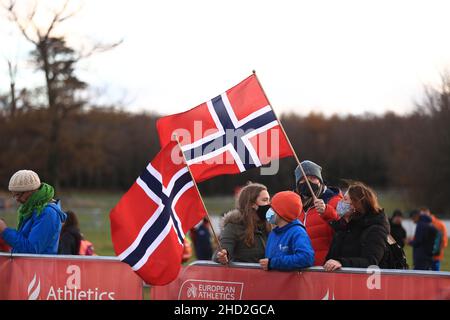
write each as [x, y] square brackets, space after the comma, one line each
[423, 243]
[398, 233]
[361, 242]
[69, 241]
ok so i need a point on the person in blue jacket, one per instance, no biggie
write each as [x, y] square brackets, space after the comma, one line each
[288, 246]
[40, 217]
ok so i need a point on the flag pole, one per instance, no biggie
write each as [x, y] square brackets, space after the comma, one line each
[287, 138]
[198, 191]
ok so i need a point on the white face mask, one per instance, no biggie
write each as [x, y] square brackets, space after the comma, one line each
[343, 207]
[271, 216]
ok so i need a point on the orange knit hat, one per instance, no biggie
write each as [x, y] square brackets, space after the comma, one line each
[287, 204]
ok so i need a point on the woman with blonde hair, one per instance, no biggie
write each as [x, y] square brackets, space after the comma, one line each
[245, 229]
[361, 233]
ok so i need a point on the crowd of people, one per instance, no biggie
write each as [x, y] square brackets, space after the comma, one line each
[43, 227]
[318, 225]
[313, 225]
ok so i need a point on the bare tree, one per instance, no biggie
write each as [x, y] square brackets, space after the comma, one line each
[57, 61]
[12, 70]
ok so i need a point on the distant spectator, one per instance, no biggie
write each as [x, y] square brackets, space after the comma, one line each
[397, 230]
[86, 248]
[441, 241]
[187, 250]
[423, 241]
[70, 238]
[201, 237]
[288, 246]
[39, 216]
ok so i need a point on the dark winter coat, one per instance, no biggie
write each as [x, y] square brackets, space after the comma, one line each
[70, 240]
[201, 237]
[398, 233]
[232, 239]
[423, 243]
[361, 242]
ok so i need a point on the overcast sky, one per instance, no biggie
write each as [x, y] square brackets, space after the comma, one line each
[324, 56]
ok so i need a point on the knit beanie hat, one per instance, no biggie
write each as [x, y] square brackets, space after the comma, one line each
[287, 204]
[310, 168]
[24, 180]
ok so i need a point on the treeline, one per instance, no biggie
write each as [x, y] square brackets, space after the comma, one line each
[105, 148]
[55, 129]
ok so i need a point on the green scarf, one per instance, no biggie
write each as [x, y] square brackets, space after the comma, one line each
[37, 201]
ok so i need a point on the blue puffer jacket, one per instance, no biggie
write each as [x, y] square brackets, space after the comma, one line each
[289, 247]
[38, 235]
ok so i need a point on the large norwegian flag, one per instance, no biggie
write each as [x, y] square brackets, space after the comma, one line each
[228, 134]
[149, 223]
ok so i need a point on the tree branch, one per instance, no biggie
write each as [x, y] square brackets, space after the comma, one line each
[11, 9]
[99, 47]
[58, 17]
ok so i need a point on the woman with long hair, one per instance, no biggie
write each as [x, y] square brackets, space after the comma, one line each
[361, 233]
[245, 229]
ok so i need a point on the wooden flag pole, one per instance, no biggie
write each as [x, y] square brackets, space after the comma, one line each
[289, 141]
[198, 191]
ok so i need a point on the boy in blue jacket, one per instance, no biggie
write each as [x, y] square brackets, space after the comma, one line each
[288, 246]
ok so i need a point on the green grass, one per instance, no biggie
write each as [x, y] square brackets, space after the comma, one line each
[393, 199]
[445, 264]
[93, 210]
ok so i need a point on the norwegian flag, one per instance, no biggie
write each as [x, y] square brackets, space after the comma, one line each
[149, 223]
[228, 134]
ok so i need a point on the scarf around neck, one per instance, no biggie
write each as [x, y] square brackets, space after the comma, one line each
[37, 201]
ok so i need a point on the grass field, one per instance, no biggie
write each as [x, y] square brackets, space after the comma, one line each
[93, 210]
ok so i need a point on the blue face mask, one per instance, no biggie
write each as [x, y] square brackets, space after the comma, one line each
[270, 216]
[343, 207]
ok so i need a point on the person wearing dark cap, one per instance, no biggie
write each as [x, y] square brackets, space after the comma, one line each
[317, 214]
[397, 230]
[39, 216]
[288, 246]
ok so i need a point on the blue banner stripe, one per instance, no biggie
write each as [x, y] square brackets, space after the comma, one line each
[232, 134]
[148, 238]
[179, 184]
[259, 122]
[158, 226]
[222, 113]
[153, 184]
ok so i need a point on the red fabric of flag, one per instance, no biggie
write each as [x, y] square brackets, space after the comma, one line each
[228, 134]
[149, 223]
